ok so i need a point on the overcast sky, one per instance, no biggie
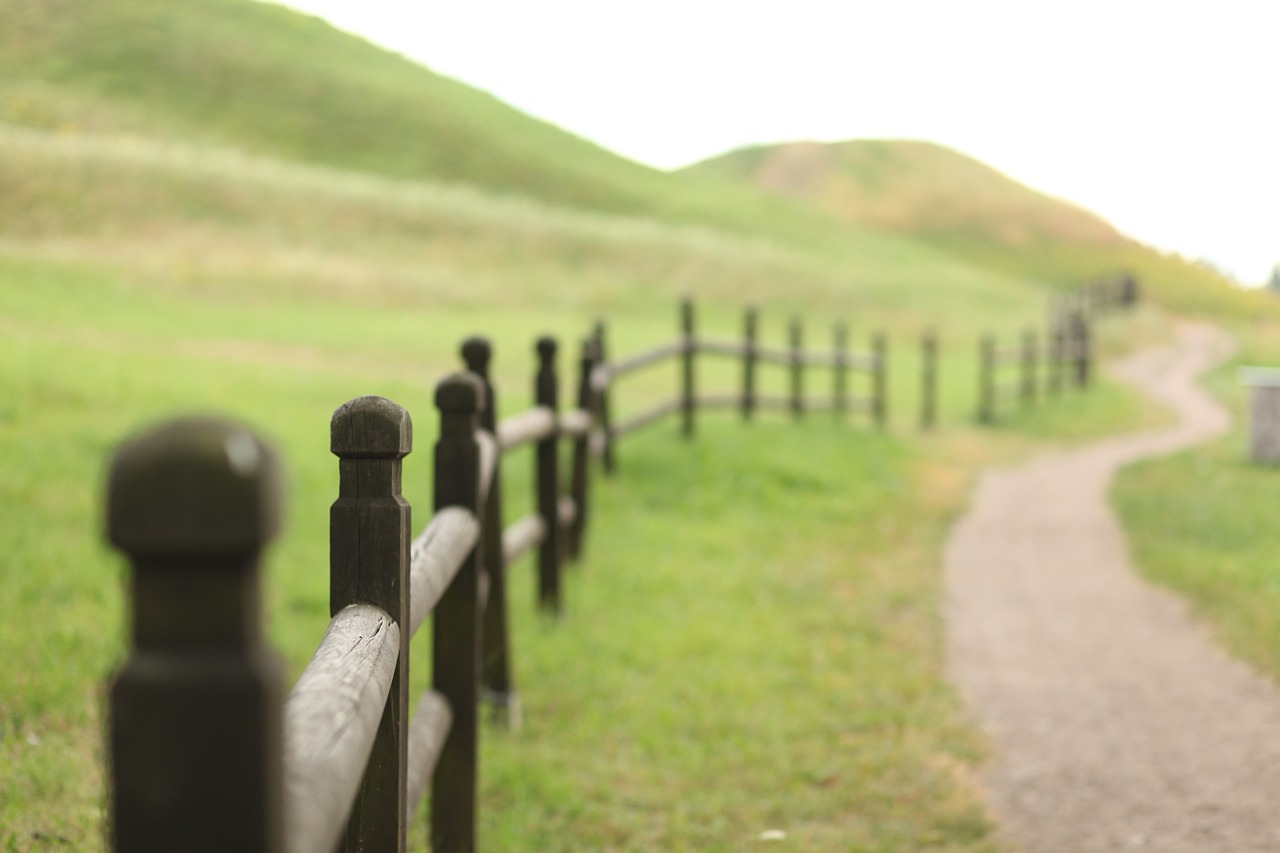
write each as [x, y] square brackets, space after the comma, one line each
[1163, 117]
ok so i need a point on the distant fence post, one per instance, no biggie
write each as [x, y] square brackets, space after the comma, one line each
[605, 405]
[456, 626]
[369, 532]
[688, 351]
[498, 687]
[840, 399]
[880, 380]
[796, 336]
[195, 712]
[987, 379]
[546, 473]
[579, 482]
[750, 329]
[1082, 349]
[1027, 387]
[929, 379]
[1056, 354]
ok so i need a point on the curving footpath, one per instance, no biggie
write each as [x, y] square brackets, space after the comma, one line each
[1117, 724]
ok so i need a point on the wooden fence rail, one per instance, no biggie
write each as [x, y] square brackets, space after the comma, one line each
[687, 400]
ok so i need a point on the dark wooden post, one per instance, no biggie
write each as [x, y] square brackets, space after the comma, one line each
[1129, 291]
[797, 367]
[579, 482]
[456, 622]
[546, 479]
[604, 403]
[987, 379]
[750, 329]
[688, 351]
[1027, 388]
[841, 392]
[498, 688]
[880, 380]
[1054, 358]
[929, 380]
[195, 730]
[1082, 349]
[369, 532]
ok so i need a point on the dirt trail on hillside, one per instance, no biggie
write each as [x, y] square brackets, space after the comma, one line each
[1116, 723]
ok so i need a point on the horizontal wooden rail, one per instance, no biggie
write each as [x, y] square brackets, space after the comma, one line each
[735, 349]
[330, 719]
[566, 510]
[434, 559]
[528, 427]
[643, 359]
[522, 537]
[719, 401]
[646, 418]
[427, 733]
[575, 423]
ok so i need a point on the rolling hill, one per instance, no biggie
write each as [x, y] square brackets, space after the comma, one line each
[969, 209]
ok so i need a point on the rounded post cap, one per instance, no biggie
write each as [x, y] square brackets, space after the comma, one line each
[196, 488]
[476, 352]
[371, 427]
[546, 347]
[460, 393]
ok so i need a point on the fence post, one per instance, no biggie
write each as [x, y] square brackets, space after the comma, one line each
[1028, 365]
[880, 383]
[1057, 351]
[605, 404]
[1082, 349]
[497, 686]
[546, 392]
[750, 327]
[841, 400]
[195, 712]
[688, 351]
[369, 532]
[456, 621]
[796, 334]
[929, 379]
[986, 379]
[579, 483]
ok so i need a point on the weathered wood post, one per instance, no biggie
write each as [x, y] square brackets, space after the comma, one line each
[929, 379]
[604, 403]
[750, 330]
[456, 623]
[987, 379]
[369, 532]
[496, 681]
[688, 351]
[1082, 349]
[880, 380]
[195, 712]
[840, 401]
[1129, 291]
[580, 480]
[1027, 386]
[546, 478]
[796, 337]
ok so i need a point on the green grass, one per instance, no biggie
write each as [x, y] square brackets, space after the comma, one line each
[1201, 522]
[168, 247]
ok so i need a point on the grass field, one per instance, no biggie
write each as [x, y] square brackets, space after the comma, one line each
[753, 642]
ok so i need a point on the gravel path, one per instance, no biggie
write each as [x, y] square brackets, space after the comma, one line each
[1117, 724]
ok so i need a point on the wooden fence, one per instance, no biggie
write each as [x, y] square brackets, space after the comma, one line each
[842, 362]
[207, 753]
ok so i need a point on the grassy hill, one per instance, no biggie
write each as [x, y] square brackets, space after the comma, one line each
[967, 208]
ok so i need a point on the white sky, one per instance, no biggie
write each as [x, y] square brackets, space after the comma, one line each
[1163, 117]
